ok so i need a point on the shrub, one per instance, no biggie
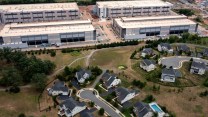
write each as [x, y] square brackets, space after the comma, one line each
[21, 115]
[53, 53]
[149, 99]
[101, 111]
[14, 89]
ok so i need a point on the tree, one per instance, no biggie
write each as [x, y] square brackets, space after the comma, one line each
[11, 77]
[149, 99]
[21, 115]
[101, 111]
[39, 81]
[53, 53]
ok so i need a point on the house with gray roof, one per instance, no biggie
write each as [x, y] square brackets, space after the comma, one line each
[124, 94]
[147, 51]
[147, 65]
[142, 110]
[170, 74]
[205, 52]
[165, 47]
[86, 114]
[110, 80]
[82, 75]
[58, 88]
[71, 107]
[183, 48]
[198, 68]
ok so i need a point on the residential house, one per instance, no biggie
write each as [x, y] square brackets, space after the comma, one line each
[198, 68]
[70, 107]
[205, 52]
[110, 80]
[183, 48]
[147, 52]
[58, 88]
[82, 75]
[165, 47]
[124, 94]
[86, 114]
[147, 65]
[142, 110]
[170, 75]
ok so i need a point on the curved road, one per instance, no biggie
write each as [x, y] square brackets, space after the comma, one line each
[177, 61]
[88, 94]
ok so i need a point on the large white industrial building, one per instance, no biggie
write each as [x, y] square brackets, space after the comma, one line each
[114, 9]
[47, 32]
[38, 12]
[141, 27]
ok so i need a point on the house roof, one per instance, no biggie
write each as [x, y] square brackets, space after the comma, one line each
[167, 45]
[122, 92]
[109, 81]
[147, 62]
[141, 109]
[86, 114]
[172, 72]
[70, 104]
[106, 76]
[59, 86]
[148, 51]
[81, 72]
[184, 48]
[199, 65]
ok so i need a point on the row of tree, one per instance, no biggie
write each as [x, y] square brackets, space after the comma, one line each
[21, 69]
[117, 44]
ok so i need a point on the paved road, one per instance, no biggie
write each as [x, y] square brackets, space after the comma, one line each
[177, 61]
[88, 94]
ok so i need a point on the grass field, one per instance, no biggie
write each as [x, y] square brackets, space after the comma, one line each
[63, 59]
[13, 104]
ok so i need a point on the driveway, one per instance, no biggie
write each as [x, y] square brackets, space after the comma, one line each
[177, 61]
[88, 94]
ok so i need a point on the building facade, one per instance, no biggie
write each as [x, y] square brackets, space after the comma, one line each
[38, 12]
[47, 32]
[113, 9]
[142, 27]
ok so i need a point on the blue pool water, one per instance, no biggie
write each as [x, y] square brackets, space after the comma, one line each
[156, 108]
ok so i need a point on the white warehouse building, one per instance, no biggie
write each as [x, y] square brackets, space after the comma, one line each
[142, 27]
[38, 12]
[114, 9]
[47, 32]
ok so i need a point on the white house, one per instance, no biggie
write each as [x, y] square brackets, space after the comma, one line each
[147, 65]
[198, 68]
[170, 75]
[59, 88]
[82, 75]
[146, 51]
[142, 110]
[124, 94]
[164, 47]
[70, 107]
[110, 80]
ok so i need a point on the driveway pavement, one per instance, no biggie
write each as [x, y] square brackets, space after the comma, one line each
[88, 94]
[177, 61]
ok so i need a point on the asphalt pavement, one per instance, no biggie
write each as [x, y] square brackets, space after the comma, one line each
[88, 94]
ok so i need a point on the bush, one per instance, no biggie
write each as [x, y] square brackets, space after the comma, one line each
[149, 99]
[21, 115]
[101, 111]
[138, 83]
[14, 89]
[53, 53]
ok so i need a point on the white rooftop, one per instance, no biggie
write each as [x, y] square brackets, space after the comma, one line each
[25, 29]
[158, 21]
[138, 3]
[39, 7]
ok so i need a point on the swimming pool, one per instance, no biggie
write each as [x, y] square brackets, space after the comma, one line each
[156, 108]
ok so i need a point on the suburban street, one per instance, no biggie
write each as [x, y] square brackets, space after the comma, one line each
[177, 61]
[88, 94]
